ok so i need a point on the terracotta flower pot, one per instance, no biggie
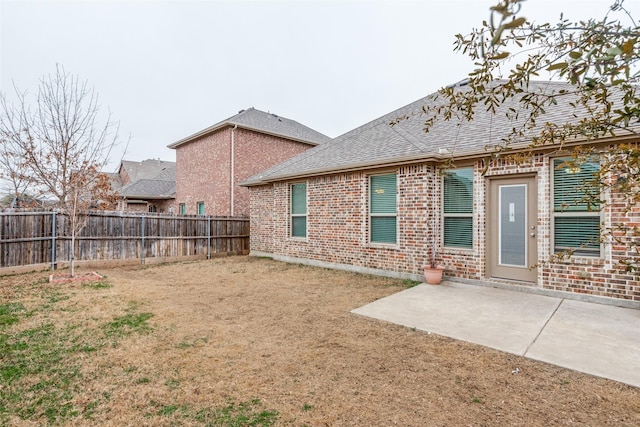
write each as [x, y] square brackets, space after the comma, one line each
[433, 275]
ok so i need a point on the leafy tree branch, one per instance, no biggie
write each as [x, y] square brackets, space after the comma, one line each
[592, 68]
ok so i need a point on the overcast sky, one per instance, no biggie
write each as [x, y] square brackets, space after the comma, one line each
[166, 69]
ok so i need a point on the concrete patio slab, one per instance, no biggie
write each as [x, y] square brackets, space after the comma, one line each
[597, 339]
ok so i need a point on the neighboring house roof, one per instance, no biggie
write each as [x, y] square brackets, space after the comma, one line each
[378, 143]
[21, 201]
[149, 169]
[267, 123]
[149, 189]
[149, 179]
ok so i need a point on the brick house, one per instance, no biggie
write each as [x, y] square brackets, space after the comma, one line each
[382, 198]
[146, 186]
[211, 162]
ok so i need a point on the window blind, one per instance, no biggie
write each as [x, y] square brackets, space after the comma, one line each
[299, 210]
[457, 200]
[580, 234]
[576, 209]
[382, 199]
[458, 232]
[574, 187]
[458, 191]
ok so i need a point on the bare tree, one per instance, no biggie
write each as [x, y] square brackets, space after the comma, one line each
[61, 145]
[13, 180]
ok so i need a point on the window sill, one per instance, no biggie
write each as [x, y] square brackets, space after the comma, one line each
[581, 260]
[457, 250]
[375, 245]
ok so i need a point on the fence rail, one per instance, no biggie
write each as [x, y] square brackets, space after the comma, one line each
[42, 237]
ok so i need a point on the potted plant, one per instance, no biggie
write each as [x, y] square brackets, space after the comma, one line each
[433, 271]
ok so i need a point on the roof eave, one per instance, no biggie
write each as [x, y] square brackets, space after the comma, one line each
[148, 197]
[350, 168]
[430, 157]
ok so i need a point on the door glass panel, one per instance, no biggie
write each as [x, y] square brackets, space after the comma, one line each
[513, 225]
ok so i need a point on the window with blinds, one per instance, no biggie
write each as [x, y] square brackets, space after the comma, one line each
[299, 210]
[457, 209]
[576, 207]
[200, 208]
[382, 209]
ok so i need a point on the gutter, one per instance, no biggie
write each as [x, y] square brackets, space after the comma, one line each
[431, 157]
[232, 168]
[149, 197]
[349, 168]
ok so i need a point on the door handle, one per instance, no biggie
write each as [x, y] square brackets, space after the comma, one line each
[533, 234]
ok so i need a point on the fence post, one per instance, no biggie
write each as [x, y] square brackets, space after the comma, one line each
[209, 238]
[53, 240]
[142, 244]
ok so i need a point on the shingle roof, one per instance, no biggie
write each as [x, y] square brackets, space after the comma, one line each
[378, 143]
[150, 169]
[268, 123]
[150, 179]
[149, 189]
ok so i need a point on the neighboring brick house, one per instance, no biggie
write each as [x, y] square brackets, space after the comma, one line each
[146, 186]
[380, 198]
[212, 162]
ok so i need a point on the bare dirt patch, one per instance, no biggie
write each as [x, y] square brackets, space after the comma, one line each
[89, 276]
[239, 329]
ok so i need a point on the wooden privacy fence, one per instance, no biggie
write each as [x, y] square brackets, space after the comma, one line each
[28, 237]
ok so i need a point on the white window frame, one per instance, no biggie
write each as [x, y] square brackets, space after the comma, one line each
[459, 215]
[387, 215]
[580, 214]
[306, 211]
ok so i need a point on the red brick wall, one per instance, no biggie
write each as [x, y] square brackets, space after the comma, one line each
[167, 206]
[124, 175]
[162, 206]
[262, 202]
[337, 221]
[203, 168]
[254, 153]
[337, 229]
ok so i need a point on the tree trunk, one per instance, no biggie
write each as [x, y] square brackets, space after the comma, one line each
[73, 254]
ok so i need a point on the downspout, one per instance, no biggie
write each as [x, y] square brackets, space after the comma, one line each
[232, 167]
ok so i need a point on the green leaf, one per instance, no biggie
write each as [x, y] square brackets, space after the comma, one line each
[497, 35]
[515, 23]
[501, 55]
[614, 51]
[627, 47]
[575, 54]
[557, 66]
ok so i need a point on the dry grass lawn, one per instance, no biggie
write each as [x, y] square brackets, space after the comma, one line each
[191, 343]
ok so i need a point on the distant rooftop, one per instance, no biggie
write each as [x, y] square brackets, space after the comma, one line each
[150, 179]
[150, 169]
[264, 122]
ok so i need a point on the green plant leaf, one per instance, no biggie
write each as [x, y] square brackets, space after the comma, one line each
[557, 66]
[501, 55]
[515, 23]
